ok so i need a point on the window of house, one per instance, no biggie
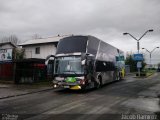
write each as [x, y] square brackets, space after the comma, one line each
[37, 50]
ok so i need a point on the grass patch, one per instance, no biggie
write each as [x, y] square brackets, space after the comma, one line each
[43, 83]
[146, 73]
[6, 82]
[150, 72]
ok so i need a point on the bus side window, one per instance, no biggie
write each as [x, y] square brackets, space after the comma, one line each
[101, 66]
[90, 66]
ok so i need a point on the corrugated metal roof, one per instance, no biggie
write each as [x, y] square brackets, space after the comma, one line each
[42, 40]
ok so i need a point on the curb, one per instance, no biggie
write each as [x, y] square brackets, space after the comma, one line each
[144, 76]
[25, 93]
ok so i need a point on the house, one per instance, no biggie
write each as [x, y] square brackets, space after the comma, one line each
[6, 50]
[40, 48]
[6, 60]
[32, 68]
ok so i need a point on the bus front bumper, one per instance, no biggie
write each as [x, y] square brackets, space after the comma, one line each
[72, 86]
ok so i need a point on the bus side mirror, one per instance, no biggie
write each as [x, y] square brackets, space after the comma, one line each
[47, 59]
[83, 62]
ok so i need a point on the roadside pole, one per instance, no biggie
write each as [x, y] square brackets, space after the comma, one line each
[138, 46]
[139, 66]
[139, 71]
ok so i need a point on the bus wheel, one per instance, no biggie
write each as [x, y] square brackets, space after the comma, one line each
[99, 83]
[118, 77]
[83, 88]
[114, 76]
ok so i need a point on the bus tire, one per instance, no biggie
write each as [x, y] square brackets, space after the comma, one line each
[114, 76]
[118, 77]
[99, 83]
[83, 89]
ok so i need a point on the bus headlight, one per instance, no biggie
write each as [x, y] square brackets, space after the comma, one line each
[55, 86]
[82, 82]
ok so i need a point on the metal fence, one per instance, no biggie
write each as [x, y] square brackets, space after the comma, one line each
[30, 71]
[6, 71]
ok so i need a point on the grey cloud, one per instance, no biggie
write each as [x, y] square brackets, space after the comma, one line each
[105, 19]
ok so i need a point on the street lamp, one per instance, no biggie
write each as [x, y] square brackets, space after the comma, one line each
[138, 46]
[150, 53]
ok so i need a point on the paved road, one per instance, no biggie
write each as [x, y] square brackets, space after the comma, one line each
[112, 101]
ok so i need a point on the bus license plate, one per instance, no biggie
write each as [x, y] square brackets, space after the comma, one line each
[66, 86]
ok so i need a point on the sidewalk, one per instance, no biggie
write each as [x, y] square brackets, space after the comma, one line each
[12, 90]
[130, 77]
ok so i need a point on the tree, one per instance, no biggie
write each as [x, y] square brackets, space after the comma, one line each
[36, 36]
[18, 53]
[132, 63]
[129, 61]
[12, 38]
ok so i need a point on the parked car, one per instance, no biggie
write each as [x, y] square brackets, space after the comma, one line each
[158, 69]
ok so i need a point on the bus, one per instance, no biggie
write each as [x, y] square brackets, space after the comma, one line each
[84, 62]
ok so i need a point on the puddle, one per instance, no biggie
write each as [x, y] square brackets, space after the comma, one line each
[146, 104]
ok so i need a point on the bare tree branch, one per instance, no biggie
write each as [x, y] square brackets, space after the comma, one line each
[12, 38]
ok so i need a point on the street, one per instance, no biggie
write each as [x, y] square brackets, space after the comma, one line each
[112, 101]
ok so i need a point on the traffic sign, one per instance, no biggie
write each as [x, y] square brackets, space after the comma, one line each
[138, 57]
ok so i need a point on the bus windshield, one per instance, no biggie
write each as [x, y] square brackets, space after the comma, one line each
[68, 65]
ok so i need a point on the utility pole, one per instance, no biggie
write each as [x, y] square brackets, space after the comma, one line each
[150, 53]
[138, 44]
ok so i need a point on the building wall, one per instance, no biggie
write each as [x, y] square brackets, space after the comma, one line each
[45, 50]
[6, 52]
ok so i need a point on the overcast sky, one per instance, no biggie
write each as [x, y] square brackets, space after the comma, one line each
[105, 19]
